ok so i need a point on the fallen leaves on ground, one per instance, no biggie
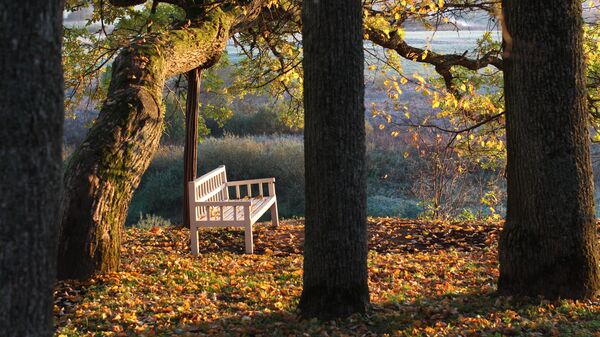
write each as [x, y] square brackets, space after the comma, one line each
[426, 279]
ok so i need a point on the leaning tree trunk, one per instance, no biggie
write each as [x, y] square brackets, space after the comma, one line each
[31, 117]
[548, 246]
[106, 168]
[335, 249]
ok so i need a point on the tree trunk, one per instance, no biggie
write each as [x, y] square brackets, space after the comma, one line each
[190, 151]
[548, 246]
[31, 115]
[335, 249]
[106, 168]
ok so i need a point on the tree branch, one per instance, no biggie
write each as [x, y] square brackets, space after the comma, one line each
[128, 3]
[442, 62]
[456, 132]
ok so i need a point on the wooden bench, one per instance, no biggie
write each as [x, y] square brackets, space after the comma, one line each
[210, 205]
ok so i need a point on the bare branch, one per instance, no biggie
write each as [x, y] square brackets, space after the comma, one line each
[455, 132]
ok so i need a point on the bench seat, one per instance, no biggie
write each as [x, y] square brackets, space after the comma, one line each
[259, 206]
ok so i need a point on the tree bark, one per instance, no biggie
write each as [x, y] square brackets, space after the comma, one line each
[106, 168]
[548, 246]
[31, 115]
[190, 151]
[335, 249]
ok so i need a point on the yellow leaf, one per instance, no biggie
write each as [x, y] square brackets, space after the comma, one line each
[419, 78]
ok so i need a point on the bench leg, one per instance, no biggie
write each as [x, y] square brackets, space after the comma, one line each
[248, 239]
[274, 215]
[194, 241]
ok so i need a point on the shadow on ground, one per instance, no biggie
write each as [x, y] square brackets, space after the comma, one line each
[386, 235]
[467, 315]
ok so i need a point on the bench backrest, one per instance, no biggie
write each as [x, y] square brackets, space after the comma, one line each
[212, 186]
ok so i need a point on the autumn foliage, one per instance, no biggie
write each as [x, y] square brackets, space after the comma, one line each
[426, 279]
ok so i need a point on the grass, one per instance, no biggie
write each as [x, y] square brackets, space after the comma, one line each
[426, 279]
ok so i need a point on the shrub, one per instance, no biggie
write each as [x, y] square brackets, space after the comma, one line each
[282, 157]
[259, 157]
[388, 172]
[150, 221]
[264, 121]
[379, 205]
[160, 193]
[161, 189]
[174, 122]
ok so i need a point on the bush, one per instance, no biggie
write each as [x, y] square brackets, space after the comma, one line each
[161, 189]
[260, 157]
[150, 221]
[282, 157]
[174, 122]
[160, 193]
[265, 121]
[380, 206]
[389, 173]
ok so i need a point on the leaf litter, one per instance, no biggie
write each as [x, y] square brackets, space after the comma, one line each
[426, 279]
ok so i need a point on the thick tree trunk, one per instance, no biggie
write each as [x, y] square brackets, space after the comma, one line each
[335, 249]
[190, 150]
[548, 246]
[31, 117]
[106, 168]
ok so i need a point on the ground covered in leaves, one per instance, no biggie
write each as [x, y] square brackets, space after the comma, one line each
[426, 279]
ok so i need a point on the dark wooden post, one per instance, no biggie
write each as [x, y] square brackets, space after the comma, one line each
[190, 151]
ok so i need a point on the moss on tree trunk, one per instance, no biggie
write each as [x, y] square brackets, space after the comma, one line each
[106, 168]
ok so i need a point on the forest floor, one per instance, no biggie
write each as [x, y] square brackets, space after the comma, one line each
[425, 278]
